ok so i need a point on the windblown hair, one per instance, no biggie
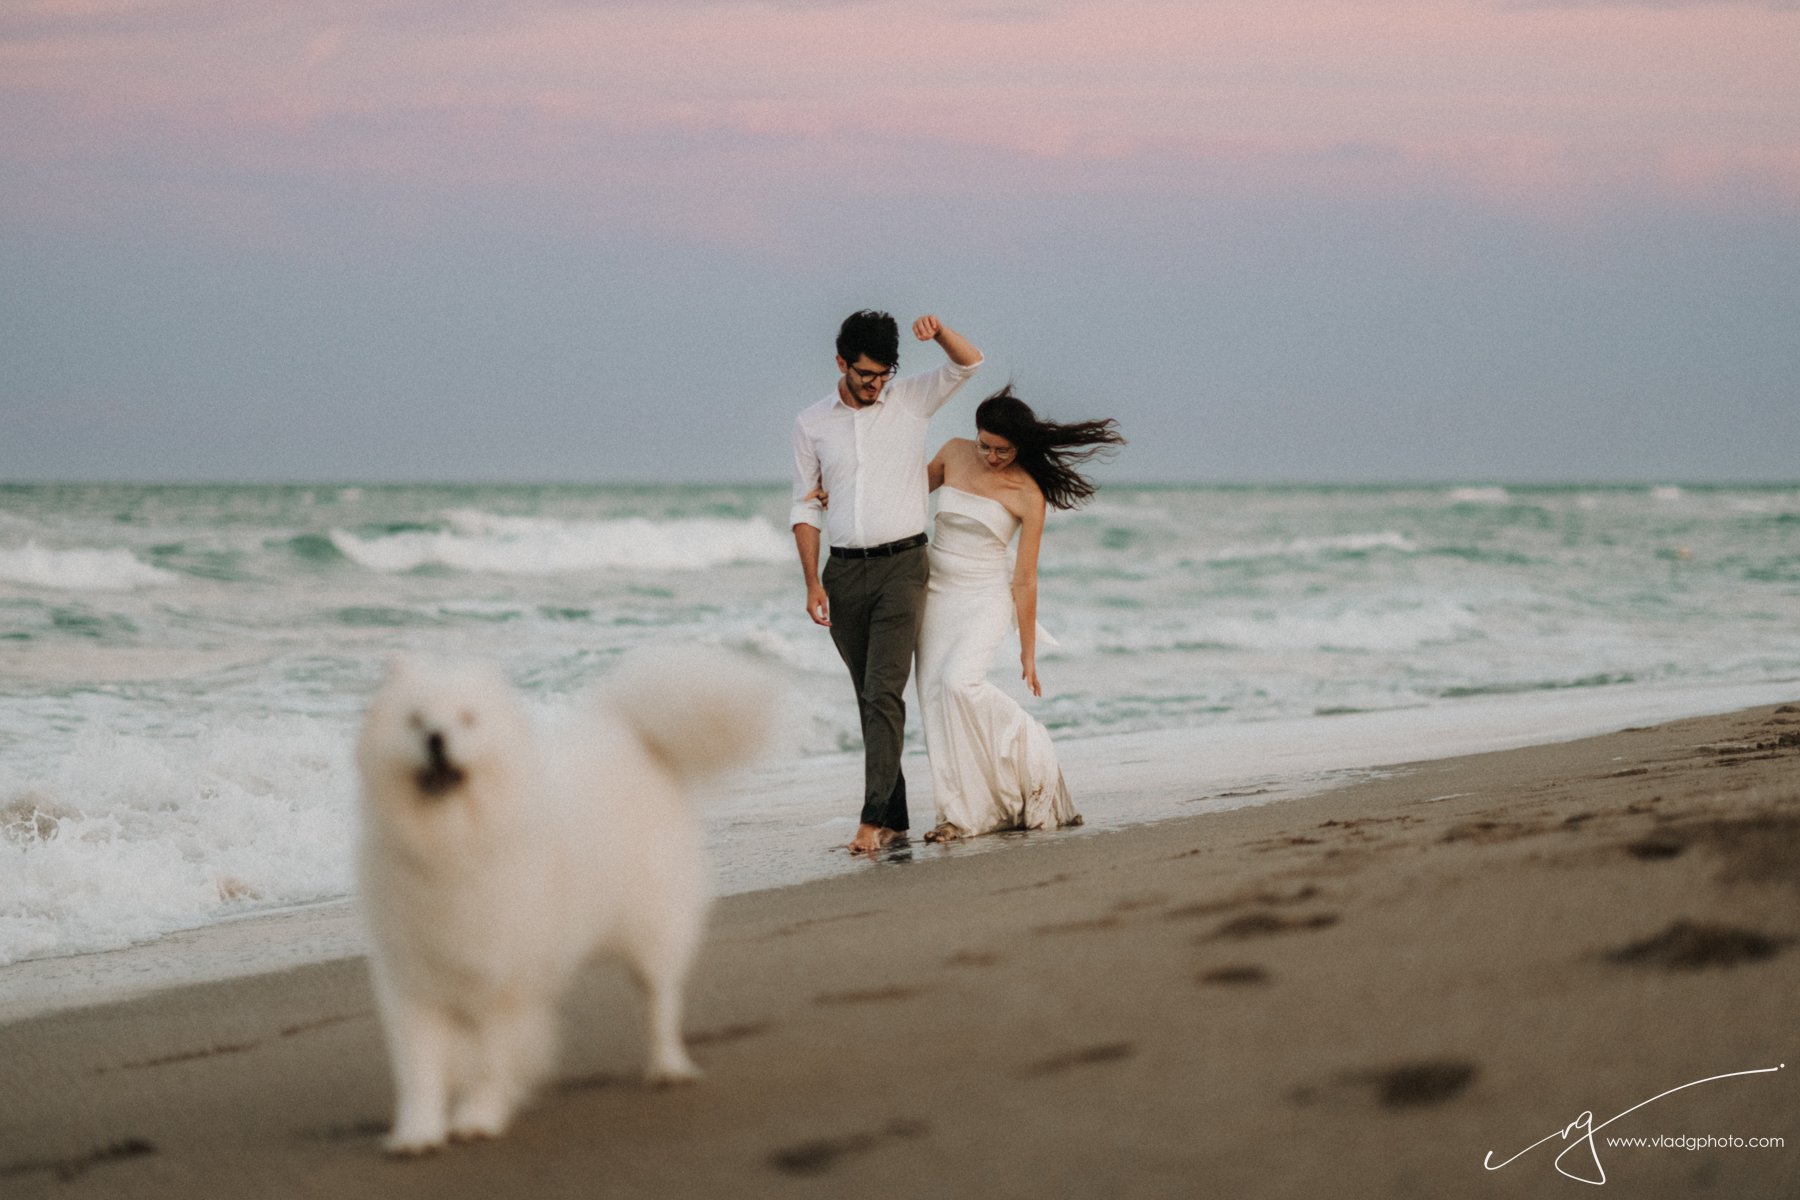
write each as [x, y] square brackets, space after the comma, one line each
[872, 333]
[1049, 451]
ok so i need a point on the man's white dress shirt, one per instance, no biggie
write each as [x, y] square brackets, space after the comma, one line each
[870, 459]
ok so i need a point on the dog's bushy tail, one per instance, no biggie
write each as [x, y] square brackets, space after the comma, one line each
[701, 711]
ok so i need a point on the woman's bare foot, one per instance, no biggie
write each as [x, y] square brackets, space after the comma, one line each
[944, 833]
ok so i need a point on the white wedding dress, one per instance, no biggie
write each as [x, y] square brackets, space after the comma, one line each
[992, 766]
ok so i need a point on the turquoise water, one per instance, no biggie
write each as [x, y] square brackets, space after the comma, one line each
[181, 668]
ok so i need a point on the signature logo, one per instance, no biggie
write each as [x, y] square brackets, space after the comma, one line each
[1585, 1123]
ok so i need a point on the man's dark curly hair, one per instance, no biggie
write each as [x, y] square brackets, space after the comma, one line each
[872, 333]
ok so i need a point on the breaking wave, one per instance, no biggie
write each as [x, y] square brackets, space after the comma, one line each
[477, 541]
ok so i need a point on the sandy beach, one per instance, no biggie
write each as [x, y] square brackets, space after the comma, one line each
[1360, 993]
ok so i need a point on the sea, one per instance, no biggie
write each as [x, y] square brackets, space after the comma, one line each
[182, 668]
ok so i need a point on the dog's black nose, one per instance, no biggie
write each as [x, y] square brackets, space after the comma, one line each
[439, 775]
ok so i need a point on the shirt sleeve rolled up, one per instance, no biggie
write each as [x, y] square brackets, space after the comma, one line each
[923, 394]
[807, 478]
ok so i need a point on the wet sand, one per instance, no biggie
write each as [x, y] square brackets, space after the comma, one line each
[1360, 993]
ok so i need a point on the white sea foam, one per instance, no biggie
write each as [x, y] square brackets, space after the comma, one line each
[133, 835]
[1105, 510]
[1308, 547]
[1351, 629]
[502, 545]
[1480, 495]
[1305, 628]
[78, 570]
[1667, 495]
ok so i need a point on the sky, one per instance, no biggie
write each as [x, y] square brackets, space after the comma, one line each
[610, 241]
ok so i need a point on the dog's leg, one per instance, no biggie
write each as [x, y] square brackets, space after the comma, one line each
[511, 1051]
[420, 1041]
[661, 973]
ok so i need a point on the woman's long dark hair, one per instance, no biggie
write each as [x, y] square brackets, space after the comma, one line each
[1047, 450]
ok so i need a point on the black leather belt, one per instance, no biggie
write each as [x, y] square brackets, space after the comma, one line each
[881, 551]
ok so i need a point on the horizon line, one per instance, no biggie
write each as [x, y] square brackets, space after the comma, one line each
[1430, 482]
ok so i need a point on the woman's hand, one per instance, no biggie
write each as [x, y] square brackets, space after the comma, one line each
[1028, 661]
[819, 494]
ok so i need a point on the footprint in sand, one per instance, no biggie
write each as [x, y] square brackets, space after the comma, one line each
[1281, 843]
[76, 1165]
[798, 926]
[817, 1157]
[355, 1131]
[1090, 925]
[1416, 1085]
[1400, 1086]
[1210, 908]
[730, 1033]
[182, 1056]
[1086, 1057]
[1255, 925]
[1239, 976]
[1026, 887]
[1756, 849]
[1656, 847]
[325, 1023]
[973, 958]
[1486, 832]
[1693, 946]
[599, 1081]
[868, 996]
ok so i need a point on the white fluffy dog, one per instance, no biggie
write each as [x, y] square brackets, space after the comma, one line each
[495, 860]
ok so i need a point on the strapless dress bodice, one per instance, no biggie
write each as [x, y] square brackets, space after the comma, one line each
[967, 523]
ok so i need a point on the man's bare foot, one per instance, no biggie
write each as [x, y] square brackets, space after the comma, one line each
[870, 838]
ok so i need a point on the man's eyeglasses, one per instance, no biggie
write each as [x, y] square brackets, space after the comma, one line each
[865, 377]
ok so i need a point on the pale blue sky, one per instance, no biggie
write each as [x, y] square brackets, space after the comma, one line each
[1283, 240]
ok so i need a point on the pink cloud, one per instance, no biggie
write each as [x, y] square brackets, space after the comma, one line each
[629, 108]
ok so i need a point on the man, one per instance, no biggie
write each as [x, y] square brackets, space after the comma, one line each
[864, 446]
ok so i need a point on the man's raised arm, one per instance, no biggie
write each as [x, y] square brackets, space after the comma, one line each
[962, 352]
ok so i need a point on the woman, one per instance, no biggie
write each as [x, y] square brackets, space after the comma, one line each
[992, 765]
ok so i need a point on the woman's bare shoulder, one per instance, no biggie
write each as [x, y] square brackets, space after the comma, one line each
[1022, 496]
[1028, 488]
[954, 448]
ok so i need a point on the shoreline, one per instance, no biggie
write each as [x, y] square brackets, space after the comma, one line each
[1360, 993]
[1123, 781]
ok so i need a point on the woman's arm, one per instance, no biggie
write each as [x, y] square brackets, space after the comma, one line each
[934, 470]
[1024, 587]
